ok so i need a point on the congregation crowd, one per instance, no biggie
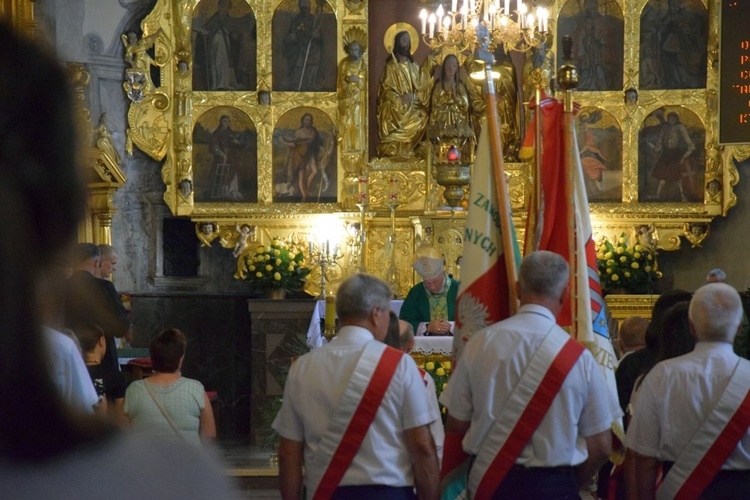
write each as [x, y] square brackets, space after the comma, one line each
[529, 412]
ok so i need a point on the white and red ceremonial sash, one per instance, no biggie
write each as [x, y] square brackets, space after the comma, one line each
[714, 441]
[483, 296]
[526, 407]
[352, 417]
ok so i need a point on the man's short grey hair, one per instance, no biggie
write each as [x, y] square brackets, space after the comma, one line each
[359, 294]
[106, 250]
[405, 336]
[715, 312]
[544, 273]
[716, 276]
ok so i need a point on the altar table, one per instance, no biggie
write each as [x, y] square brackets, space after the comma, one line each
[422, 345]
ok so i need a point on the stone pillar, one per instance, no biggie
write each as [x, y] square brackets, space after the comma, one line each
[279, 334]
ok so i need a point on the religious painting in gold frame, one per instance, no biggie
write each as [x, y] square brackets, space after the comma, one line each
[304, 46]
[644, 90]
[304, 157]
[671, 156]
[600, 149]
[597, 28]
[224, 46]
[225, 148]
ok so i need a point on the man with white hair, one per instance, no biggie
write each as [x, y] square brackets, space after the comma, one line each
[430, 306]
[354, 411]
[692, 414]
[742, 339]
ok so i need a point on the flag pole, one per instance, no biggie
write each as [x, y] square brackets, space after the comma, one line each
[498, 167]
[567, 76]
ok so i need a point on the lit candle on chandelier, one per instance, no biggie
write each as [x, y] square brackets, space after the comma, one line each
[543, 15]
[432, 25]
[440, 13]
[454, 6]
[506, 7]
[464, 15]
[393, 190]
[423, 17]
[493, 10]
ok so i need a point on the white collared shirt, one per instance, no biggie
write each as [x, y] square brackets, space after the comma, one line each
[313, 389]
[675, 398]
[490, 367]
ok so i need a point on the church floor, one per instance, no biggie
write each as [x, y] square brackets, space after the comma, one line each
[253, 469]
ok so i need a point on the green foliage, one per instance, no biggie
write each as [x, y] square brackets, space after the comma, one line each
[278, 265]
[631, 267]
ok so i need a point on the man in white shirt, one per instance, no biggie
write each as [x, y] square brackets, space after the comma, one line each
[393, 450]
[681, 409]
[573, 439]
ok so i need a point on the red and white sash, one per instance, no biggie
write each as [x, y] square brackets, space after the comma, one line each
[713, 442]
[353, 415]
[526, 407]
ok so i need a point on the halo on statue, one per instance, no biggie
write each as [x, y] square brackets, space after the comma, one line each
[395, 29]
[356, 35]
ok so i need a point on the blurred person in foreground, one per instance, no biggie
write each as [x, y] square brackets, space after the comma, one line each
[691, 415]
[47, 449]
[354, 412]
[527, 370]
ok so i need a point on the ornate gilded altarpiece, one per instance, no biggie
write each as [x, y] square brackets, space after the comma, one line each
[184, 90]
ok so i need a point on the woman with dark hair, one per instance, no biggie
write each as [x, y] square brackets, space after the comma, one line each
[47, 449]
[168, 404]
[673, 339]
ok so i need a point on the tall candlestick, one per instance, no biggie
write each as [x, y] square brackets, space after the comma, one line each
[330, 317]
[393, 191]
[363, 195]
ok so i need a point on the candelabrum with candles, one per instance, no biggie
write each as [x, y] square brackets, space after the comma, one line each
[363, 200]
[455, 30]
[393, 276]
[321, 255]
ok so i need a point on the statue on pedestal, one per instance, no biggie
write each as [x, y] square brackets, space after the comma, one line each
[352, 82]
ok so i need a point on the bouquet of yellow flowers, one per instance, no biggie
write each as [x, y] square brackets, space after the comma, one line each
[278, 265]
[630, 267]
[439, 371]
